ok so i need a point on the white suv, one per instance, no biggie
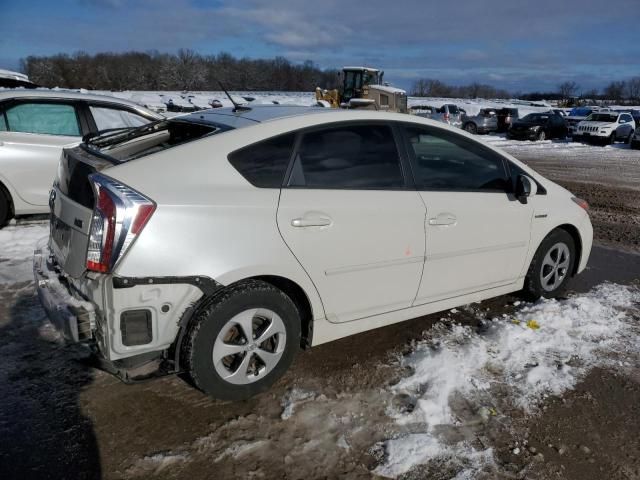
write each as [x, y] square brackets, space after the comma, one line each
[608, 126]
[221, 242]
[35, 125]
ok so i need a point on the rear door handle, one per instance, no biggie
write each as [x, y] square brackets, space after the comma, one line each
[443, 219]
[311, 222]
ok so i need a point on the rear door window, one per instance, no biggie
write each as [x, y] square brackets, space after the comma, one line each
[107, 118]
[264, 164]
[43, 118]
[348, 157]
[447, 161]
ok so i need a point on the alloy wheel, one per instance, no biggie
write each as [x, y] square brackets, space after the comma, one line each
[555, 266]
[249, 346]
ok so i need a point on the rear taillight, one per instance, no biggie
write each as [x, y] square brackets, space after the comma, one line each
[119, 215]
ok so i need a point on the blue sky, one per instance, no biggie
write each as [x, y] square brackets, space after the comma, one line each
[519, 45]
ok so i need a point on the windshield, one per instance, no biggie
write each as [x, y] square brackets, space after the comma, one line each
[535, 117]
[602, 117]
[355, 79]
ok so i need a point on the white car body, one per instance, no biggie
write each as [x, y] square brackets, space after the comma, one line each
[606, 125]
[28, 161]
[362, 259]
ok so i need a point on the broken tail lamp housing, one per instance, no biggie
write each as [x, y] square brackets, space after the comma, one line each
[119, 215]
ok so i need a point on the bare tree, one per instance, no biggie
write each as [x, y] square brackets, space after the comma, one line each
[633, 89]
[615, 91]
[567, 90]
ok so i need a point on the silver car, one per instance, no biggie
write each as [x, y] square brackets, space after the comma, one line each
[35, 125]
[484, 122]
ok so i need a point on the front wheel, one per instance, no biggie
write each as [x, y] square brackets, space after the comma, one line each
[541, 135]
[241, 344]
[612, 138]
[551, 267]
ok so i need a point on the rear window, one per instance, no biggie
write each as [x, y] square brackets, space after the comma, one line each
[264, 164]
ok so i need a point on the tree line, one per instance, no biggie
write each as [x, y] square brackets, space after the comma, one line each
[427, 87]
[185, 70]
[569, 93]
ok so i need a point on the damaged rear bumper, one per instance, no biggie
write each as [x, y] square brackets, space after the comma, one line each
[74, 317]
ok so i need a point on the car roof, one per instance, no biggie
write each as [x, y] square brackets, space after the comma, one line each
[251, 115]
[60, 94]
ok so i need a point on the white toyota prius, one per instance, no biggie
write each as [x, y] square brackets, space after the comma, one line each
[221, 242]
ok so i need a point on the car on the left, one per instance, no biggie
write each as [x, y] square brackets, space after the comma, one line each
[34, 127]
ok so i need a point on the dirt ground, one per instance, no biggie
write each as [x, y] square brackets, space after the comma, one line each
[59, 418]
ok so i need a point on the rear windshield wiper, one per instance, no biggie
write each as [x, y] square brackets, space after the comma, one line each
[110, 136]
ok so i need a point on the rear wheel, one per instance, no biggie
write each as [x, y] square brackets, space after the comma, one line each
[551, 266]
[471, 128]
[243, 342]
[630, 137]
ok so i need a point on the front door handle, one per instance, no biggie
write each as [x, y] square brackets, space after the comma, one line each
[311, 222]
[443, 219]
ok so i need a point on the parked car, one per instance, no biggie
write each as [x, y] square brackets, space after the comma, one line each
[175, 103]
[35, 125]
[449, 114]
[9, 79]
[484, 122]
[606, 126]
[635, 140]
[577, 115]
[538, 126]
[506, 116]
[219, 243]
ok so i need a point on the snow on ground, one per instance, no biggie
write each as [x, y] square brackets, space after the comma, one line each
[156, 463]
[544, 350]
[17, 243]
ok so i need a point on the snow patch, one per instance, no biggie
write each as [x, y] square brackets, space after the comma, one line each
[17, 243]
[570, 337]
[156, 463]
[292, 398]
[238, 450]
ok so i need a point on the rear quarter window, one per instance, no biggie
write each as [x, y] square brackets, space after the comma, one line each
[264, 164]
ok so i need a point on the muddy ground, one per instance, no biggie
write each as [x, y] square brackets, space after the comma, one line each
[59, 418]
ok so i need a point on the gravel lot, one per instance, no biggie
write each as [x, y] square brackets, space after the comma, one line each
[331, 414]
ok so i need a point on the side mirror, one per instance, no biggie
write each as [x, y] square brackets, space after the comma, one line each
[525, 187]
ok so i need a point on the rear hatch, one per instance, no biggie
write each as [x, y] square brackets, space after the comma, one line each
[71, 203]
[72, 199]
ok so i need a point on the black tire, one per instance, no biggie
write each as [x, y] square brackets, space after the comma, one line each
[471, 128]
[635, 145]
[5, 209]
[201, 337]
[612, 138]
[533, 287]
[541, 136]
[630, 137]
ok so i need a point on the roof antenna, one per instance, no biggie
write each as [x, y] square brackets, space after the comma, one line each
[237, 106]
